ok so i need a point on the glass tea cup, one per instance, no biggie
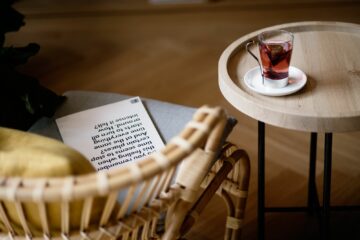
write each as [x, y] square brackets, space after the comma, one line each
[275, 49]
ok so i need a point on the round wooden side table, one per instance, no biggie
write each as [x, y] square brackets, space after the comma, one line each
[328, 53]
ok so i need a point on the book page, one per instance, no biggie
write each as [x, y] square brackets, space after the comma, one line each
[111, 135]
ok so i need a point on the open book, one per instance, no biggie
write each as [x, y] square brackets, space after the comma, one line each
[111, 135]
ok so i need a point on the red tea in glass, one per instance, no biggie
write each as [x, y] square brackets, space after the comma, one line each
[275, 49]
[275, 58]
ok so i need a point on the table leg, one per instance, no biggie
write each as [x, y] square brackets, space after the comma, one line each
[327, 186]
[312, 172]
[261, 180]
[313, 201]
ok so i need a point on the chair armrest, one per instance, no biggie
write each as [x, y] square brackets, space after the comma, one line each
[229, 156]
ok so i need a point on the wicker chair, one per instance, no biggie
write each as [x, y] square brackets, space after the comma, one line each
[170, 197]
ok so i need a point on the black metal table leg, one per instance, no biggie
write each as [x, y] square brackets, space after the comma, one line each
[327, 186]
[261, 180]
[313, 205]
[312, 199]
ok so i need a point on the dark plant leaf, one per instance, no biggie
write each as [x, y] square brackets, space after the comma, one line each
[23, 100]
[10, 19]
[13, 56]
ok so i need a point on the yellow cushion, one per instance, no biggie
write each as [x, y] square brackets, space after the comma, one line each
[29, 155]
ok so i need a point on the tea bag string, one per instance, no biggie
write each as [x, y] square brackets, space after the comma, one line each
[254, 56]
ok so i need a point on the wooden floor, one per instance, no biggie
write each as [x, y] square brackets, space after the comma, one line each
[170, 53]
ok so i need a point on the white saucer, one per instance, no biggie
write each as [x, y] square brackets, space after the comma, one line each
[297, 80]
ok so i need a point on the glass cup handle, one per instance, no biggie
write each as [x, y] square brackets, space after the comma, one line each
[253, 55]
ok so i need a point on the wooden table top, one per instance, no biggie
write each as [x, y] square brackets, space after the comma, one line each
[328, 53]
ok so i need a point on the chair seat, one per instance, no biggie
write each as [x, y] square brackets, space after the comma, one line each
[168, 118]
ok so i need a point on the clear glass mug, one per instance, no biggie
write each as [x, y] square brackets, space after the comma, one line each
[275, 49]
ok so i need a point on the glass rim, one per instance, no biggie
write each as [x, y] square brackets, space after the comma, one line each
[261, 36]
